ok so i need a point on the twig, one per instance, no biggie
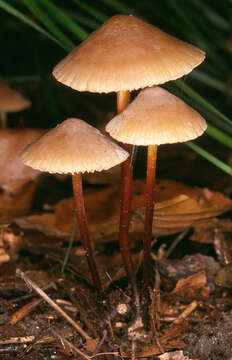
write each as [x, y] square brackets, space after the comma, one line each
[31, 284]
[63, 340]
[101, 342]
[190, 308]
[28, 296]
[18, 340]
[175, 243]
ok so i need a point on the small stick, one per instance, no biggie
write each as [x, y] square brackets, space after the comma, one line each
[63, 340]
[31, 284]
[175, 243]
[18, 340]
[101, 342]
[190, 308]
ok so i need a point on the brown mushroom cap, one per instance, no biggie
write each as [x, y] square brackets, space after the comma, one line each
[71, 147]
[12, 101]
[156, 117]
[12, 142]
[126, 53]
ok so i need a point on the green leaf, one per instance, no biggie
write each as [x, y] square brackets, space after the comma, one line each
[194, 95]
[62, 18]
[72, 237]
[211, 158]
[219, 136]
[48, 22]
[91, 10]
[11, 10]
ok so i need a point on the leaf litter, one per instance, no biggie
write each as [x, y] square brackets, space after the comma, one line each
[190, 288]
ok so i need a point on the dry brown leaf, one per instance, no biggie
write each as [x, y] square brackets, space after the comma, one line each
[42, 222]
[172, 211]
[192, 286]
[177, 207]
[204, 231]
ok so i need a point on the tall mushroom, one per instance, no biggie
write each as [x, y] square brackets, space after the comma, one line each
[155, 117]
[75, 147]
[126, 54]
[10, 101]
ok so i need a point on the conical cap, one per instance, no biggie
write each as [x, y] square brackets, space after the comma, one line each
[156, 117]
[71, 147]
[11, 100]
[126, 53]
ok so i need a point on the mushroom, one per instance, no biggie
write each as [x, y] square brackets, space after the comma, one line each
[10, 101]
[155, 117]
[126, 54]
[75, 147]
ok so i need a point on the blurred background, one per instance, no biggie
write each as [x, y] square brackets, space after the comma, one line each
[37, 34]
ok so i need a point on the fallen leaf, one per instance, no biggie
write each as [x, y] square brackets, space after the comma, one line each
[192, 286]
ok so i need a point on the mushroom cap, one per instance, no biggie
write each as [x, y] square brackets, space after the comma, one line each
[11, 100]
[126, 53]
[72, 147]
[156, 117]
[12, 142]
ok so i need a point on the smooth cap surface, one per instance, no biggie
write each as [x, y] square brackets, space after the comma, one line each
[71, 147]
[126, 53]
[156, 117]
[11, 100]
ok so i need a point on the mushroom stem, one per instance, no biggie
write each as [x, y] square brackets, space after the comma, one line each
[123, 98]
[3, 119]
[151, 168]
[82, 222]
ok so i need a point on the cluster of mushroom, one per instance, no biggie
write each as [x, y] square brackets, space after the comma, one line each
[124, 54]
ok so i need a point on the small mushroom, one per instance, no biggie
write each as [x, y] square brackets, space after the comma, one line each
[75, 147]
[155, 117]
[10, 101]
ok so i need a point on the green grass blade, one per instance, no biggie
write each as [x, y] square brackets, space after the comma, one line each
[120, 7]
[194, 95]
[209, 80]
[61, 17]
[85, 20]
[91, 11]
[219, 136]
[20, 79]
[211, 158]
[48, 23]
[11, 10]
[72, 237]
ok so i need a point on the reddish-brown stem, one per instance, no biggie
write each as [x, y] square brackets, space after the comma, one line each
[82, 222]
[151, 168]
[123, 98]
